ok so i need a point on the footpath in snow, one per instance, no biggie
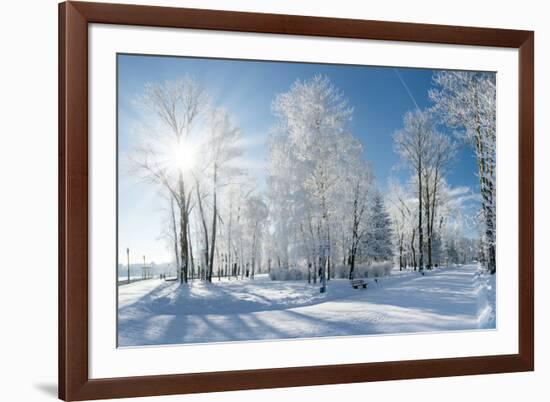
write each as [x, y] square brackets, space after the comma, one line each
[156, 312]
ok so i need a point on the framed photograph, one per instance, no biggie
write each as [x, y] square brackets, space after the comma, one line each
[259, 200]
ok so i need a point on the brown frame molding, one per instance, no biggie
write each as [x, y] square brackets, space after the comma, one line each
[74, 17]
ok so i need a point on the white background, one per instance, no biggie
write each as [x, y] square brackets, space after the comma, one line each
[28, 202]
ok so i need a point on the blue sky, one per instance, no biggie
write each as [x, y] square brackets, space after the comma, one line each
[246, 89]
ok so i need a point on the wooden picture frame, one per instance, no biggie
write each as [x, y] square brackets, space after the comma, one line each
[74, 381]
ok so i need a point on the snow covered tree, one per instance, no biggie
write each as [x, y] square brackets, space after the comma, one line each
[401, 213]
[166, 153]
[379, 235]
[357, 193]
[467, 101]
[178, 126]
[453, 225]
[440, 154]
[218, 150]
[230, 212]
[284, 192]
[429, 154]
[413, 143]
[173, 232]
[256, 214]
[169, 231]
[235, 244]
[308, 149]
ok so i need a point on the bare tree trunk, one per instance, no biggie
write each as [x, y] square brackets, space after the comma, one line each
[428, 206]
[420, 231]
[413, 249]
[174, 231]
[433, 208]
[345, 259]
[254, 250]
[315, 269]
[329, 256]
[220, 264]
[352, 265]
[311, 231]
[214, 220]
[205, 229]
[224, 258]
[183, 248]
[486, 189]
[191, 260]
[401, 252]
[184, 226]
[354, 239]
[229, 228]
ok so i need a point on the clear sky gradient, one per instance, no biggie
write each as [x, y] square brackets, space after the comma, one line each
[380, 97]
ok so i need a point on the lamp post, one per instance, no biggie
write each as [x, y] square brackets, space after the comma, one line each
[144, 273]
[128, 262]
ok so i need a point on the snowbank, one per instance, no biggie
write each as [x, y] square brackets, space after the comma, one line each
[486, 291]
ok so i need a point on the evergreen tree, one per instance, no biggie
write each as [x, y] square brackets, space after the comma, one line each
[378, 240]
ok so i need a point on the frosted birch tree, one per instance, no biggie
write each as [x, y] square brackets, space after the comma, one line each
[166, 153]
[357, 186]
[256, 214]
[440, 154]
[400, 214]
[467, 101]
[219, 149]
[413, 143]
[308, 145]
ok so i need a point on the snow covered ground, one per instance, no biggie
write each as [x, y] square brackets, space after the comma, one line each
[156, 312]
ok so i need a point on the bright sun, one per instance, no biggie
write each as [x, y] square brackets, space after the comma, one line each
[183, 156]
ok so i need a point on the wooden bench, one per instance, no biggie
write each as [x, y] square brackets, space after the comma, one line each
[357, 283]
